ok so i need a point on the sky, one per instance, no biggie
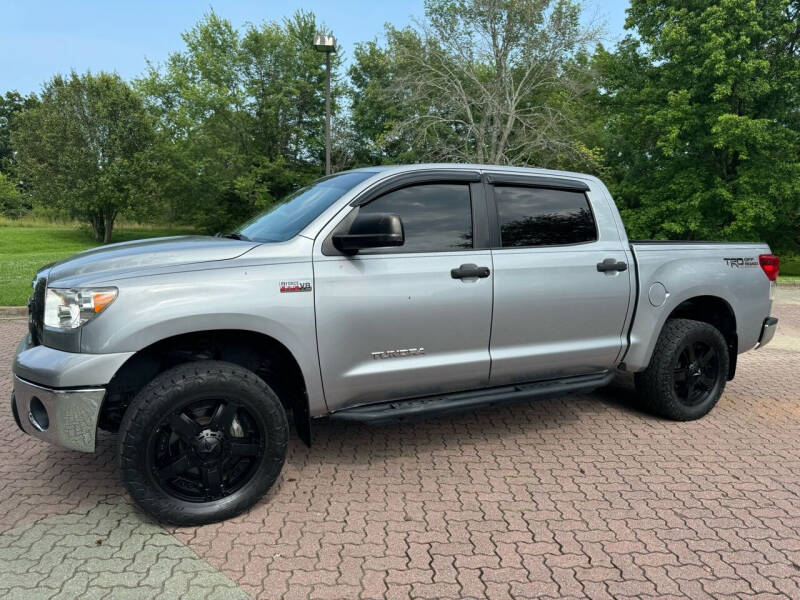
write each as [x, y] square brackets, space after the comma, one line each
[39, 39]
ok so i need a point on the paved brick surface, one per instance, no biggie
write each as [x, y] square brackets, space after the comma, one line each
[106, 551]
[577, 497]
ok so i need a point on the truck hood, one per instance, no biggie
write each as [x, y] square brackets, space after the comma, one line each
[146, 254]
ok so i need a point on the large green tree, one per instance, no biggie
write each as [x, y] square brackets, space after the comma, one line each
[496, 81]
[703, 119]
[86, 149]
[11, 104]
[243, 114]
[13, 202]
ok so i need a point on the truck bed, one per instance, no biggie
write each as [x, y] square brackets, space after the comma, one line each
[671, 272]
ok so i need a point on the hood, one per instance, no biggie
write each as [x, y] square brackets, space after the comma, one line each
[146, 254]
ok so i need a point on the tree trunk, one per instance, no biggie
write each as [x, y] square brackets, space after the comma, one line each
[108, 224]
[97, 227]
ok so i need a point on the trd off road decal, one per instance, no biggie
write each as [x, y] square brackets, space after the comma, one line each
[295, 286]
[741, 262]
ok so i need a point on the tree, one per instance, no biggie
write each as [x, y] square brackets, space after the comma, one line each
[244, 114]
[85, 149]
[11, 104]
[379, 108]
[479, 81]
[703, 126]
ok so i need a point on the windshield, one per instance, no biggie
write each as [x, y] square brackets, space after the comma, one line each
[287, 218]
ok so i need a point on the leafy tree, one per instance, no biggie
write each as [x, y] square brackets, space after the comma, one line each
[10, 105]
[85, 149]
[243, 113]
[703, 119]
[493, 81]
[378, 108]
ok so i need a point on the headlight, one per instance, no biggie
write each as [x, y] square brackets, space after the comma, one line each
[68, 309]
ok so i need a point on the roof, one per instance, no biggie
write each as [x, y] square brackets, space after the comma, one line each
[387, 169]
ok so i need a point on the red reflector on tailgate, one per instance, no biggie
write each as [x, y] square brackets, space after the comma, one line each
[771, 264]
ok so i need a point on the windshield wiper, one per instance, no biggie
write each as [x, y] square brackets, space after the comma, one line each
[236, 236]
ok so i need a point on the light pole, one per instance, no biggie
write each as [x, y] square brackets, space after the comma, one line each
[326, 44]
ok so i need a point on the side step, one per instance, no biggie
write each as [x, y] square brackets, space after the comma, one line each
[418, 408]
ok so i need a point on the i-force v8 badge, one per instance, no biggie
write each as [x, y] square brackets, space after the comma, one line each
[295, 286]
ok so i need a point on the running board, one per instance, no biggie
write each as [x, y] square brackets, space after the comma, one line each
[387, 412]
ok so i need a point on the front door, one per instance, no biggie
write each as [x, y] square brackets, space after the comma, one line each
[394, 323]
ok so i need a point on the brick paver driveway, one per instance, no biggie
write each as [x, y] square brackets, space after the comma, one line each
[581, 496]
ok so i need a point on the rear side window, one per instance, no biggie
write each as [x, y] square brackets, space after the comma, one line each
[436, 217]
[541, 217]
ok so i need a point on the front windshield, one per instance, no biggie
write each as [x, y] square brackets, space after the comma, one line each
[287, 218]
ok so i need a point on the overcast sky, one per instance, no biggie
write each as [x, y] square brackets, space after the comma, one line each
[39, 39]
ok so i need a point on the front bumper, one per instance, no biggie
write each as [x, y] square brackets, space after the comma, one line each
[57, 395]
[65, 418]
[767, 331]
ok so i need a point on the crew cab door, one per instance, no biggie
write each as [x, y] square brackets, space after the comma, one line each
[397, 322]
[562, 280]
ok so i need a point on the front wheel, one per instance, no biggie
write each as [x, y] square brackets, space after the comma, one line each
[687, 373]
[202, 442]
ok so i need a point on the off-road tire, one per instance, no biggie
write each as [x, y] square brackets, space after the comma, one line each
[167, 391]
[655, 386]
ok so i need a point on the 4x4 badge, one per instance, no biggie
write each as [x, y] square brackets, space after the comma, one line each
[295, 286]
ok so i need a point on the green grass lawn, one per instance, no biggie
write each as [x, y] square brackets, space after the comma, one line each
[25, 247]
[790, 268]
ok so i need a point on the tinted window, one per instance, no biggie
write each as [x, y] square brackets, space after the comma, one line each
[435, 217]
[540, 217]
[285, 219]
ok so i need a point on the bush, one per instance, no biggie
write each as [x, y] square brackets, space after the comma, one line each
[11, 201]
[790, 265]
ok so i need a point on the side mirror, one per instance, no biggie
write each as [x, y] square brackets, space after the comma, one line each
[371, 231]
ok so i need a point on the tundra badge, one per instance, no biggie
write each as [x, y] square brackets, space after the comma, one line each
[398, 353]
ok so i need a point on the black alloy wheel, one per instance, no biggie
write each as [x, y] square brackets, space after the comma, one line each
[206, 450]
[696, 372]
[687, 372]
[202, 442]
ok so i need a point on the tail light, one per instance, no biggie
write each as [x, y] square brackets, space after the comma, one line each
[770, 264]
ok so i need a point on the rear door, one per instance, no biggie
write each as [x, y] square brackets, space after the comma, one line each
[559, 309]
[396, 322]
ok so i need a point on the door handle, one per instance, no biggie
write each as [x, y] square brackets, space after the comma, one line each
[468, 271]
[612, 264]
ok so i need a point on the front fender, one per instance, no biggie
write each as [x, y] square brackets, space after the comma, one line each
[154, 308]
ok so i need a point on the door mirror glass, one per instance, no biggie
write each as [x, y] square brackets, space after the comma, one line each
[371, 231]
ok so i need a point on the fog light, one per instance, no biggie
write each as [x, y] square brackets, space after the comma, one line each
[37, 415]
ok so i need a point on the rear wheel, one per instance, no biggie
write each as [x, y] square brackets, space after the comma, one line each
[202, 442]
[687, 372]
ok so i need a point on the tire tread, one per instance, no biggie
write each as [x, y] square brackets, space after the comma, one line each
[172, 383]
[654, 385]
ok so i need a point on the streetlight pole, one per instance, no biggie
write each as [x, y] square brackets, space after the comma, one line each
[326, 44]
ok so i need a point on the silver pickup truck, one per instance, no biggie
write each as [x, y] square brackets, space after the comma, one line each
[372, 295]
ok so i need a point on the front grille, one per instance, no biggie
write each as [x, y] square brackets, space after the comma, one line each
[36, 311]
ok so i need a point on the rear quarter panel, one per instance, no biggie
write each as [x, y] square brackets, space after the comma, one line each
[697, 269]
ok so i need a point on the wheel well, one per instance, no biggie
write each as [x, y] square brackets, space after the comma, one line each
[717, 312]
[259, 353]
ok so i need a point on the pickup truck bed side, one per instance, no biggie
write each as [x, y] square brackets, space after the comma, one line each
[669, 274]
